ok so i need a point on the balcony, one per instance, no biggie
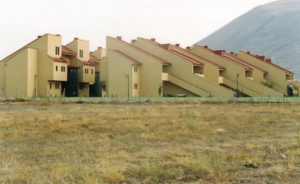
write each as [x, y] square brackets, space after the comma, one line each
[165, 76]
[221, 79]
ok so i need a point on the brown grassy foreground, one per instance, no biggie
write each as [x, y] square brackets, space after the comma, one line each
[149, 143]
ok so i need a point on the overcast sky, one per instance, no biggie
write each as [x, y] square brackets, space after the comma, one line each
[174, 21]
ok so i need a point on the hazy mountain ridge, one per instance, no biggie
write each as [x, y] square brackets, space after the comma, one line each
[272, 30]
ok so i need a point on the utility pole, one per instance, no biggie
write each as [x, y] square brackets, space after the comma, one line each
[35, 91]
[127, 76]
[237, 86]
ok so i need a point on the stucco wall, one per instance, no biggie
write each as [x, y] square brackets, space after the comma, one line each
[211, 72]
[183, 69]
[16, 75]
[275, 75]
[32, 70]
[232, 69]
[118, 67]
[150, 75]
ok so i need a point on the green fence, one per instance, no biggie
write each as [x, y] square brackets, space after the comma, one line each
[184, 99]
[164, 99]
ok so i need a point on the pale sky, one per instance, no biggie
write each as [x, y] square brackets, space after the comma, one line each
[172, 21]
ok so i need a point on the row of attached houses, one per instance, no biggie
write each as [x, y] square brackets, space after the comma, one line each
[142, 68]
[45, 67]
[145, 67]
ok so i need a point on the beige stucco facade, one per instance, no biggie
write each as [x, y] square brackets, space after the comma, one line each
[196, 71]
[237, 75]
[278, 76]
[141, 68]
[182, 71]
[30, 69]
[41, 68]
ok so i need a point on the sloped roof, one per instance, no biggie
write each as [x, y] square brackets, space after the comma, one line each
[187, 51]
[66, 51]
[86, 62]
[168, 48]
[93, 58]
[58, 59]
[162, 61]
[264, 71]
[221, 54]
[128, 57]
[269, 61]
[195, 62]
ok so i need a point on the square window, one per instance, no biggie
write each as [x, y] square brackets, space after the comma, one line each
[135, 86]
[50, 85]
[63, 68]
[56, 85]
[56, 68]
[135, 69]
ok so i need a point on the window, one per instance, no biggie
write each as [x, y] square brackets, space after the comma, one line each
[56, 50]
[92, 71]
[86, 71]
[135, 69]
[135, 86]
[81, 53]
[81, 85]
[198, 70]
[63, 68]
[50, 85]
[56, 68]
[249, 74]
[56, 85]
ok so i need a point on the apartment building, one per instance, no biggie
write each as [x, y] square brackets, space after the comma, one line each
[45, 67]
[156, 75]
[276, 76]
[247, 76]
[141, 68]
[130, 70]
[145, 67]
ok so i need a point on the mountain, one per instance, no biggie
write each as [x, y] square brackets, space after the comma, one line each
[272, 30]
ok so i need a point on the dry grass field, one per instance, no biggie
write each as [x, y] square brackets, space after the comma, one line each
[149, 143]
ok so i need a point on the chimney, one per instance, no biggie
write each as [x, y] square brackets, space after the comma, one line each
[39, 36]
[99, 47]
[248, 52]
[232, 53]
[119, 37]
[219, 52]
[75, 38]
[268, 60]
[188, 48]
[153, 39]
[205, 46]
[134, 40]
[177, 45]
[57, 35]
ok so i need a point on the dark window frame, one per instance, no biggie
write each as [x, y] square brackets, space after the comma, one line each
[57, 50]
[57, 85]
[81, 53]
